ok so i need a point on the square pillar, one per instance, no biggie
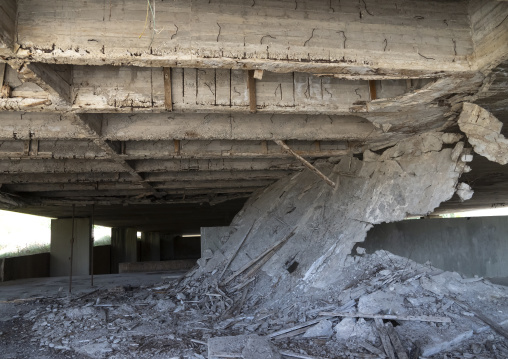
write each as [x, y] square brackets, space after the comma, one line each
[150, 247]
[60, 250]
[124, 247]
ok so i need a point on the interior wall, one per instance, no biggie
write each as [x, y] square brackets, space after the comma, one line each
[470, 246]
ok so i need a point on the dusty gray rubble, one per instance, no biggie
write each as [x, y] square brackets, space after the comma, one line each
[436, 314]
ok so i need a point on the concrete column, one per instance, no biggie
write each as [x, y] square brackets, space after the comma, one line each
[167, 246]
[123, 246]
[150, 246]
[60, 252]
[211, 238]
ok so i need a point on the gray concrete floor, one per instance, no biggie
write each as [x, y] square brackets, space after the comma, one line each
[59, 286]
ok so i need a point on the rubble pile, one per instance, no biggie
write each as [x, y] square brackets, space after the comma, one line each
[382, 306]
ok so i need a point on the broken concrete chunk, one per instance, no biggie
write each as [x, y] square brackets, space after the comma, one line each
[345, 329]
[323, 329]
[457, 151]
[483, 131]
[241, 346]
[259, 347]
[464, 191]
[451, 138]
[370, 156]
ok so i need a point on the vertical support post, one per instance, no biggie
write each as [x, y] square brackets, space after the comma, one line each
[72, 247]
[3, 68]
[92, 239]
[252, 92]
[372, 90]
[168, 101]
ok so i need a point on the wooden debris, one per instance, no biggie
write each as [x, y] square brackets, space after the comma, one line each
[287, 353]
[252, 92]
[296, 327]
[394, 338]
[258, 74]
[258, 258]
[306, 163]
[168, 100]
[384, 338]
[236, 251]
[371, 348]
[199, 342]
[496, 327]
[416, 318]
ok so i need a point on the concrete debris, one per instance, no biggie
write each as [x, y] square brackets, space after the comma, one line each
[483, 131]
[345, 329]
[213, 322]
[323, 329]
[464, 191]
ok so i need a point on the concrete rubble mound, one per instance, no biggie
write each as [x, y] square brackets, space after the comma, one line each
[382, 306]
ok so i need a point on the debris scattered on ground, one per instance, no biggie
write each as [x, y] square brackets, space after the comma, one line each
[414, 311]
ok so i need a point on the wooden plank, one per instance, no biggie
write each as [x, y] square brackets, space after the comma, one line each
[372, 88]
[306, 163]
[2, 72]
[168, 99]
[420, 318]
[385, 340]
[394, 338]
[252, 92]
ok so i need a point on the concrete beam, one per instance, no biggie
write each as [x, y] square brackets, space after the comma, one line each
[27, 126]
[214, 175]
[216, 165]
[113, 189]
[93, 125]
[311, 37]
[56, 80]
[229, 149]
[59, 166]
[8, 10]
[190, 126]
[87, 177]
[9, 201]
[490, 32]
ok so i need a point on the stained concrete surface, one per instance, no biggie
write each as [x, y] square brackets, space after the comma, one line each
[470, 246]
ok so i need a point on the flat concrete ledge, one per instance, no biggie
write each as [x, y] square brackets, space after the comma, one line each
[161, 266]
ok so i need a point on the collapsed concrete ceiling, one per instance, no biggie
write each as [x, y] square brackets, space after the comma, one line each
[167, 122]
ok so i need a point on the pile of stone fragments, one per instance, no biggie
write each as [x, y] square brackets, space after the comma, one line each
[382, 306]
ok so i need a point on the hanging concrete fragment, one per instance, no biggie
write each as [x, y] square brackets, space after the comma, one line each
[483, 131]
[410, 178]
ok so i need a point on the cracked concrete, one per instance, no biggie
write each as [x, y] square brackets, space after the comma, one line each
[483, 131]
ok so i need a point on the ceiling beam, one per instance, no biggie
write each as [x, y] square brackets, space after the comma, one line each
[54, 79]
[193, 126]
[216, 165]
[312, 37]
[79, 177]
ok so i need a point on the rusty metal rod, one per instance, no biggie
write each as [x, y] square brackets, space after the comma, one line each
[72, 247]
[92, 239]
